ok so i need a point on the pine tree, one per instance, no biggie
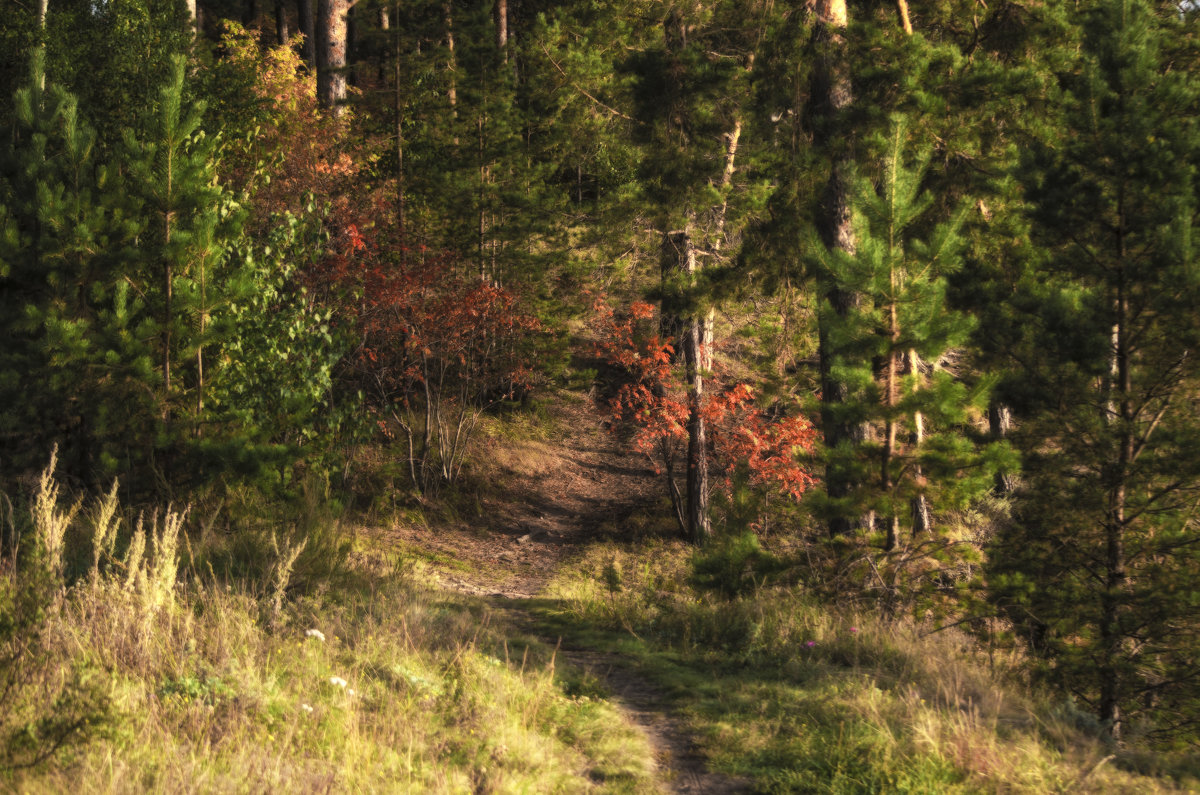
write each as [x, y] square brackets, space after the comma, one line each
[190, 221]
[1102, 560]
[893, 351]
[61, 223]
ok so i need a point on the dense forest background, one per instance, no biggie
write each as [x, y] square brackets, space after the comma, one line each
[901, 302]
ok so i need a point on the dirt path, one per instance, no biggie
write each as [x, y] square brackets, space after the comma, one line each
[645, 706]
[574, 488]
[560, 493]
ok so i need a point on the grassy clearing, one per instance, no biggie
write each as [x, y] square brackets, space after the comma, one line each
[801, 698]
[380, 684]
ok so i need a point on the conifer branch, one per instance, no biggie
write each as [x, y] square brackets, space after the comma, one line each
[583, 91]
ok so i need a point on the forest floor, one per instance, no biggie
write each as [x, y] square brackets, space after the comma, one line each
[577, 485]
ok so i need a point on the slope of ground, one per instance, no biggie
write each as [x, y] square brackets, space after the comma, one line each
[546, 493]
[566, 486]
[779, 693]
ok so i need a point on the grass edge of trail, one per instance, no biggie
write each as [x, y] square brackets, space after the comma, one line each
[798, 696]
[382, 682]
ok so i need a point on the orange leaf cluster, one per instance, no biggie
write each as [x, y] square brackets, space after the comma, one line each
[653, 402]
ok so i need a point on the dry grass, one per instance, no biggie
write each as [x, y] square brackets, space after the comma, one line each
[383, 685]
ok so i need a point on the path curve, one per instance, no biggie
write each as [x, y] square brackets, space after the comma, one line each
[561, 493]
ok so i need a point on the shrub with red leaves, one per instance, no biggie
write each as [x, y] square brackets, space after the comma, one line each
[652, 403]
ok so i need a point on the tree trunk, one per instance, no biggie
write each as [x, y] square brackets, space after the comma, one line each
[501, 14]
[307, 23]
[451, 64]
[281, 23]
[999, 426]
[837, 232]
[732, 138]
[921, 518]
[352, 44]
[679, 258]
[1112, 635]
[905, 22]
[398, 111]
[331, 55]
[699, 525]
[890, 390]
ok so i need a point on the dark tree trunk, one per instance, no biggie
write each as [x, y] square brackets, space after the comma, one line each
[307, 23]
[352, 45]
[1112, 601]
[281, 23]
[679, 263]
[835, 226]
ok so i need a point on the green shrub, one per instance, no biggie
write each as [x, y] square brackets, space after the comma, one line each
[733, 565]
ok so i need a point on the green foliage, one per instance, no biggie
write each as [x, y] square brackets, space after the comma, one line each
[797, 695]
[113, 57]
[893, 350]
[68, 315]
[150, 336]
[277, 345]
[733, 565]
[1098, 570]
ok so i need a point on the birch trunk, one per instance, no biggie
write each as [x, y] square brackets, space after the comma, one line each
[679, 259]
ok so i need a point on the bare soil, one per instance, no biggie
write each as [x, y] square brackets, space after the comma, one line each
[579, 485]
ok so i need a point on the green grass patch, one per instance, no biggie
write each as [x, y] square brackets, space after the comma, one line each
[798, 697]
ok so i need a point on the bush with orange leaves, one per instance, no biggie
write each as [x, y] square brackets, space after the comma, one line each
[652, 404]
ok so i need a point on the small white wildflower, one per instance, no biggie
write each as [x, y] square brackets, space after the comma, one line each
[337, 681]
[316, 633]
[350, 692]
[306, 708]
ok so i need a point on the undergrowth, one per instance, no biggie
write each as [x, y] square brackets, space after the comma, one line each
[799, 697]
[153, 670]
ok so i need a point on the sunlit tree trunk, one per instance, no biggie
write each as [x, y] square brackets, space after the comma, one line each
[331, 55]
[501, 14]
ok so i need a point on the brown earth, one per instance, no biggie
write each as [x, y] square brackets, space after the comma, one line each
[576, 485]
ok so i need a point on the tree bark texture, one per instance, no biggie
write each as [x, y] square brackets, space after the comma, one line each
[307, 23]
[331, 55]
[833, 90]
[501, 14]
[281, 23]
[679, 260]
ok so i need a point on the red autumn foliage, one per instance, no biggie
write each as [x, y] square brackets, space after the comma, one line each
[654, 404]
[435, 347]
